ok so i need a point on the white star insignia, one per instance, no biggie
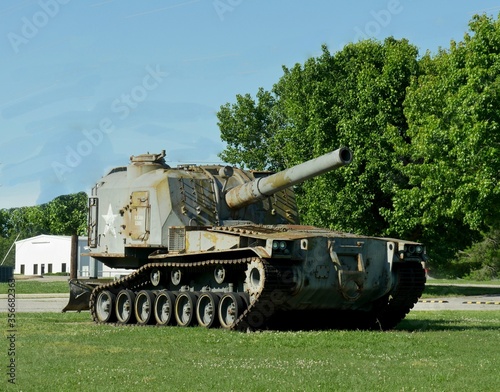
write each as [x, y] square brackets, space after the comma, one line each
[110, 222]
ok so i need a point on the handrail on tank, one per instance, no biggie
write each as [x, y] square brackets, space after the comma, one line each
[260, 188]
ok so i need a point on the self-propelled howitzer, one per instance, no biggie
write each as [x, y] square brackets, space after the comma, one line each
[221, 246]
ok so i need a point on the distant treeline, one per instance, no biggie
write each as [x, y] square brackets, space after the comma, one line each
[65, 215]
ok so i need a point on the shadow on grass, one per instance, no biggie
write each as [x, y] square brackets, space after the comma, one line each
[322, 320]
[446, 324]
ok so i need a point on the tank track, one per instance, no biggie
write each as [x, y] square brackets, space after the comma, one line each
[270, 300]
[277, 286]
[272, 293]
[409, 288]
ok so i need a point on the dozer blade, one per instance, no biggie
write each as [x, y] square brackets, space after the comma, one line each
[79, 295]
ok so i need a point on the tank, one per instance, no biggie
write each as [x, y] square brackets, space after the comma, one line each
[218, 246]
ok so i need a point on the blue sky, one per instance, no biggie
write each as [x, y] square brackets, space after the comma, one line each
[86, 84]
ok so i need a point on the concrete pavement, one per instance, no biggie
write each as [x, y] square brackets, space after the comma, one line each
[36, 302]
[56, 302]
[482, 302]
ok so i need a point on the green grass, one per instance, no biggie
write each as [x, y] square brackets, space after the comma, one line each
[493, 282]
[37, 287]
[458, 291]
[429, 351]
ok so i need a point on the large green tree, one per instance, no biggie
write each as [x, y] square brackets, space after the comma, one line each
[453, 169]
[67, 214]
[352, 98]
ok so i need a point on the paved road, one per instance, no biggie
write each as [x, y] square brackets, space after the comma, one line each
[483, 302]
[56, 302]
[36, 302]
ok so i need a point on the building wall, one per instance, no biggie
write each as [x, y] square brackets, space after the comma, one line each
[43, 254]
[46, 254]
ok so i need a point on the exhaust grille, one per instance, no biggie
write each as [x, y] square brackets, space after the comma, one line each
[176, 239]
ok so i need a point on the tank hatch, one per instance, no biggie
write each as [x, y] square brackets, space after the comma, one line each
[149, 158]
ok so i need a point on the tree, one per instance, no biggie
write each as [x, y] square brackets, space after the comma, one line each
[481, 261]
[67, 214]
[353, 98]
[64, 215]
[454, 154]
[4, 219]
[247, 127]
[5, 246]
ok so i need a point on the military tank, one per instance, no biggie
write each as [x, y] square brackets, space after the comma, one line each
[218, 246]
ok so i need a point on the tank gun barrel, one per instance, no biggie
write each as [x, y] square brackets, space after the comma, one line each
[260, 188]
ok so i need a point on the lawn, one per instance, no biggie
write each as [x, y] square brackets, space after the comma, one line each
[429, 351]
[465, 282]
[453, 290]
[34, 286]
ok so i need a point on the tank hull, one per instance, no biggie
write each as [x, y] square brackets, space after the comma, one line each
[320, 277]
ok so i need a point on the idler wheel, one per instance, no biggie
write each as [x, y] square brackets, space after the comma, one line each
[219, 274]
[155, 277]
[255, 279]
[176, 276]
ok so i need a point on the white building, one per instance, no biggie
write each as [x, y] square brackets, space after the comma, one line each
[48, 254]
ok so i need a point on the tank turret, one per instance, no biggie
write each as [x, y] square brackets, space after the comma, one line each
[263, 187]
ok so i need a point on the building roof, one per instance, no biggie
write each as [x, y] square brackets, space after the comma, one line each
[48, 238]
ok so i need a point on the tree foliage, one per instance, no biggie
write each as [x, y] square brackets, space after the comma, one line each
[352, 98]
[453, 117]
[424, 132]
[481, 261]
[64, 215]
